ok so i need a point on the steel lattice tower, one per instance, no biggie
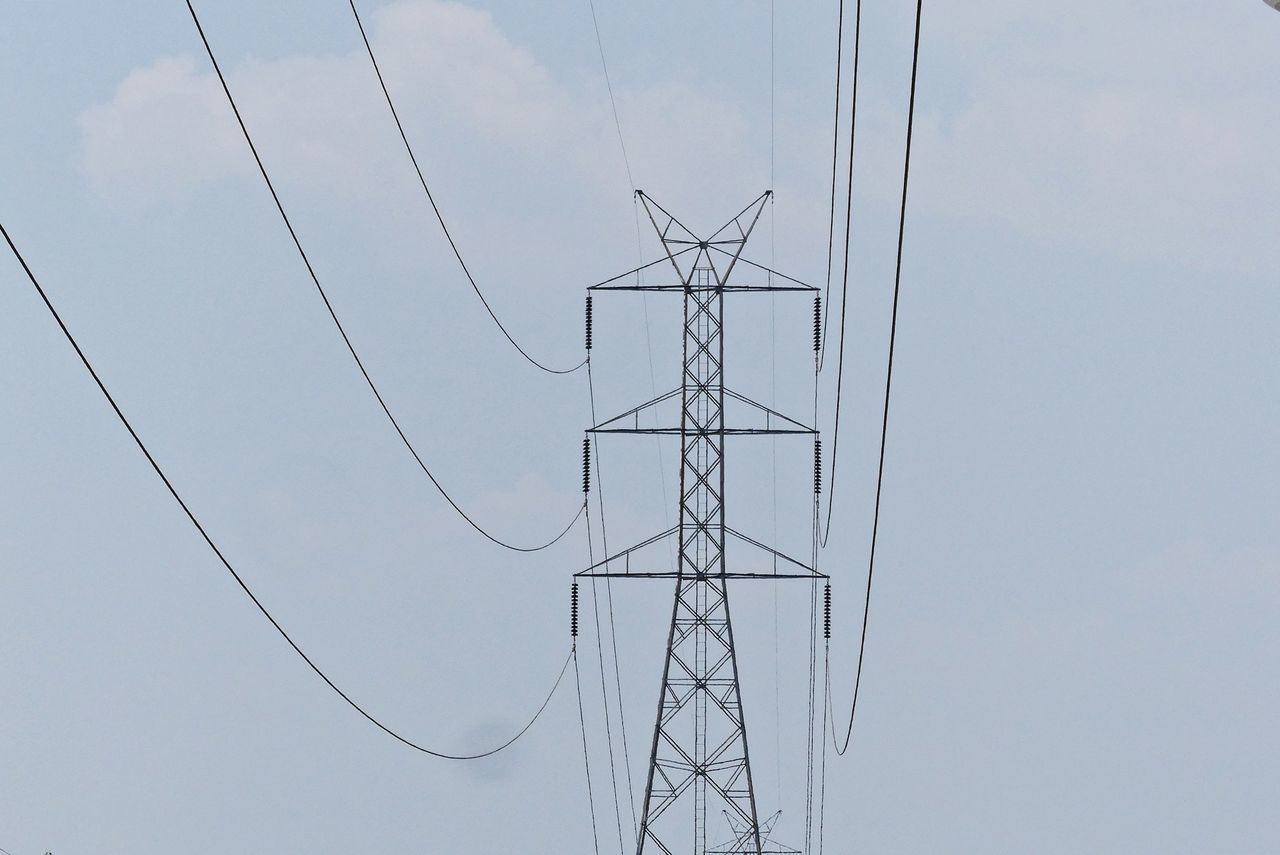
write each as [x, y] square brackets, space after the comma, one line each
[699, 758]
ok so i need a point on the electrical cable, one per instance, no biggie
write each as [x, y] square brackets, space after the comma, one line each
[835, 149]
[604, 692]
[639, 270]
[888, 383]
[822, 787]
[814, 535]
[227, 564]
[809, 743]
[586, 755]
[835, 157]
[342, 330]
[635, 207]
[844, 287]
[436, 208]
[773, 391]
[608, 587]
[617, 123]
[595, 444]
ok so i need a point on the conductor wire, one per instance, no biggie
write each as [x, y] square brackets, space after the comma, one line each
[436, 208]
[342, 330]
[888, 387]
[835, 148]
[208, 539]
[604, 691]
[586, 755]
[608, 587]
[844, 287]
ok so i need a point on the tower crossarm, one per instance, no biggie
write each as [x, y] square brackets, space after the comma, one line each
[676, 288]
[774, 423]
[621, 566]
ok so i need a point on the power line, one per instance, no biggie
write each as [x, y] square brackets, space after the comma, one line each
[773, 392]
[888, 380]
[227, 564]
[826, 716]
[604, 690]
[835, 149]
[436, 208]
[608, 586]
[844, 287]
[613, 102]
[342, 331]
[586, 755]
[635, 210]
[595, 447]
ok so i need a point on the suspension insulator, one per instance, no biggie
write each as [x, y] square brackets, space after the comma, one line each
[817, 323]
[588, 322]
[573, 611]
[817, 466]
[586, 465]
[826, 613]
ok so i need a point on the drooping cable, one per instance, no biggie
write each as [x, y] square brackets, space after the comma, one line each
[826, 719]
[814, 534]
[604, 690]
[773, 392]
[888, 383]
[608, 587]
[639, 271]
[844, 287]
[586, 755]
[662, 479]
[342, 330]
[436, 208]
[809, 740]
[208, 539]
[835, 151]
[608, 82]
[835, 158]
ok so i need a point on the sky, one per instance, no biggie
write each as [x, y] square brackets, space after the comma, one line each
[1072, 643]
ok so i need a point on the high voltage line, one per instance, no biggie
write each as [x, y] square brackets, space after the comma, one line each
[217, 551]
[694, 282]
[595, 449]
[436, 208]
[835, 151]
[613, 638]
[844, 284]
[342, 330]
[888, 382]
[586, 754]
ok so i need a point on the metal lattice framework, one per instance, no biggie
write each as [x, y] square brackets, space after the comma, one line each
[699, 756]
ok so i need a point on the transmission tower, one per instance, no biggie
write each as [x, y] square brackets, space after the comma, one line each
[699, 760]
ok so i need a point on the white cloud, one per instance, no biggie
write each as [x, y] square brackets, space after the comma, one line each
[165, 127]
[168, 126]
[470, 98]
[460, 54]
[1049, 130]
[1064, 132]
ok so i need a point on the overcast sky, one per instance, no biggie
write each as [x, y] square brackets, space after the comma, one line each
[1075, 625]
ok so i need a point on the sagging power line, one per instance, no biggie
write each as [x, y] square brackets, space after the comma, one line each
[841, 748]
[457, 253]
[235, 574]
[364, 372]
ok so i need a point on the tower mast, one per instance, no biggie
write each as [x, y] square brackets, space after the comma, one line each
[699, 757]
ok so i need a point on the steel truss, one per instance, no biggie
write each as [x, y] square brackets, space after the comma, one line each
[699, 755]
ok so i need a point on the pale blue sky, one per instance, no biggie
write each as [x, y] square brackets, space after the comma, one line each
[1073, 643]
